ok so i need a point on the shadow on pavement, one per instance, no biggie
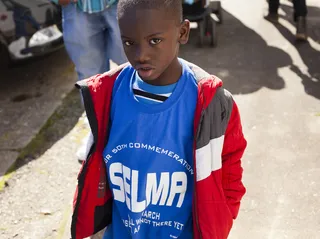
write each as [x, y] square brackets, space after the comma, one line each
[30, 91]
[58, 125]
[313, 18]
[309, 55]
[33, 71]
[242, 59]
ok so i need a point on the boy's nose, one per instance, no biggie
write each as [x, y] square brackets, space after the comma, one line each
[142, 55]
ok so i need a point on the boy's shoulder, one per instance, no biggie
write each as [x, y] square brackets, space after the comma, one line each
[210, 86]
[103, 80]
[111, 74]
[197, 71]
[202, 76]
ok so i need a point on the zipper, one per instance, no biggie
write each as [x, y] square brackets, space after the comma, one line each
[195, 178]
[196, 216]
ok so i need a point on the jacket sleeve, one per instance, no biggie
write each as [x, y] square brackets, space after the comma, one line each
[233, 148]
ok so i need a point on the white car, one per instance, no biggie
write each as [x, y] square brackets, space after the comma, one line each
[28, 28]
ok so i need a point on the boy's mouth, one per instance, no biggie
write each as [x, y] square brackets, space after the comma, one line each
[145, 71]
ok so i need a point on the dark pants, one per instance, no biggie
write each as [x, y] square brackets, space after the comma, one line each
[300, 7]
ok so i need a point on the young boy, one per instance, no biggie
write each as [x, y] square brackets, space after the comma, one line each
[166, 162]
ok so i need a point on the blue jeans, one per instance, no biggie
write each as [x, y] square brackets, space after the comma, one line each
[92, 39]
[300, 8]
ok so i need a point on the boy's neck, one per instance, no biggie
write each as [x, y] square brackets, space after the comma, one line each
[170, 76]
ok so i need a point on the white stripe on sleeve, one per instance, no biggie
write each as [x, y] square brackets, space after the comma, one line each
[208, 158]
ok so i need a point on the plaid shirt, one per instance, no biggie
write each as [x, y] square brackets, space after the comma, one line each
[92, 6]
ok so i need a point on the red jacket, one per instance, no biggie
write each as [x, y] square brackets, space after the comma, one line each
[218, 147]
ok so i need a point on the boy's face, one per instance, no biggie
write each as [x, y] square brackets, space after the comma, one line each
[151, 40]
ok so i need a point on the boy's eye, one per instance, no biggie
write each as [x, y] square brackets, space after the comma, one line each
[128, 43]
[155, 41]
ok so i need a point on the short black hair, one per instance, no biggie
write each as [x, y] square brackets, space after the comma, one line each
[172, 7]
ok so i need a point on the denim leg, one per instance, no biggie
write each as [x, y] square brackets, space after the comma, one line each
[273, 6]
[112, 36]
[83, 35]
[300, 9]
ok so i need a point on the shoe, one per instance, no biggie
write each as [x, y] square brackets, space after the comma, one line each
[272, 17]
[301, 34]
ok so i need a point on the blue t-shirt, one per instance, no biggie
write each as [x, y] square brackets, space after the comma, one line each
[149, 159]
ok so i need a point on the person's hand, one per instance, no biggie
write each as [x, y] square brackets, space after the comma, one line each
[66, 2]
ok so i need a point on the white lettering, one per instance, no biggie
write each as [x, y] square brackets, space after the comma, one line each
[176, 156]
[188, 167]
[161, 224]
[164, 151]
[178, 225]
[151, 215]
[126, 178]
[151, 148]
[144, 146]
[142, 220]
[136, 230]
[125, 187]
[157, 191]
[177, 189]
[135, 205]
[118, 148]
[126, 223]
[155, 216]
[116, 180]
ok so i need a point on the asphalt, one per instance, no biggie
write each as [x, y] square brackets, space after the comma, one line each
[274, 80]
[29, 94]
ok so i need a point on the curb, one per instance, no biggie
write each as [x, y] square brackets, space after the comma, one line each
[35, 142]
[64, 225]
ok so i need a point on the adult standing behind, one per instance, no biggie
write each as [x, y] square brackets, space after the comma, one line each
[92, 37]
[300, 13]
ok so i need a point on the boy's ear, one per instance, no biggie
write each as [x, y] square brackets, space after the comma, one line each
[184, 32]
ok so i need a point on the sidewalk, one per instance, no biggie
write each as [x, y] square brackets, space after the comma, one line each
[276, 85]
[29, 94]
[37, 201]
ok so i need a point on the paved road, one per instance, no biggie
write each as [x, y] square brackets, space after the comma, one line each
[276, 84]
[29, 93]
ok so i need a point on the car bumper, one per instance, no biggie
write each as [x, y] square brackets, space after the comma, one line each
[43, 49]
[39, 44]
